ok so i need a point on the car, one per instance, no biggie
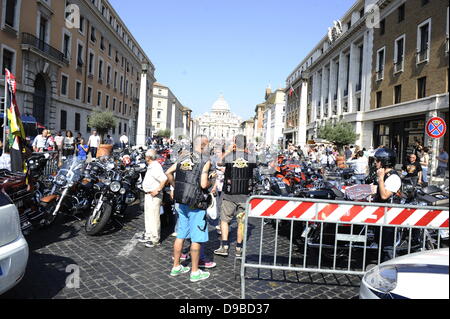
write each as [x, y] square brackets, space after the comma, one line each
[13, 245]
[422, 275]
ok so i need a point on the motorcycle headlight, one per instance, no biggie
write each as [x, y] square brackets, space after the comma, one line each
[107, 182]
[60, 180]
[382, 278]
[115, 187]
[122, 191]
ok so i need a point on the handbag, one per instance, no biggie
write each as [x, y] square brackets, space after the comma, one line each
[211, 211]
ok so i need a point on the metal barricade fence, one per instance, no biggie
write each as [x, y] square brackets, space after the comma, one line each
[338, 237]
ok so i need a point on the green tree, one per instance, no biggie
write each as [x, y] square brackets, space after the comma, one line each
[102, 122]
[340, 134]
[164, 133]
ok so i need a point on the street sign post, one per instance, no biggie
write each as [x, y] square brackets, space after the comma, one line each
[435, 129]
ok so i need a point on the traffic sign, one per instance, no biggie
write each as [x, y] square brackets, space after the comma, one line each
[436, 127]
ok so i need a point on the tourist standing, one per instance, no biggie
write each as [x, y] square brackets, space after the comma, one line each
[442, 162]
[94, 143]
[153, 184]
[83, 149]
[124, 141]
[69, 144]
[239, 166]
[424, 158]
[42, 142]
[190, 186]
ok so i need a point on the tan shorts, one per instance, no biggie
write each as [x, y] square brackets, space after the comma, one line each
[230, 210]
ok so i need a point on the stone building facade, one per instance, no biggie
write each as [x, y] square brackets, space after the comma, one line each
[219, 124]
[386, 74]
[168, 112]
[65, 69]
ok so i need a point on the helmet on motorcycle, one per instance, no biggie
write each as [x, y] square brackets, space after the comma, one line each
[387, 157]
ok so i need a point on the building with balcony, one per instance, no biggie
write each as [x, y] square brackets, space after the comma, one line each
[72, 60]
[386, 78]
[259, 123]
[274, 118]
[410, 74]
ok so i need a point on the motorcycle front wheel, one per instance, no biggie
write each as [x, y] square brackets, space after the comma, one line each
[92, 227]
[49, 219]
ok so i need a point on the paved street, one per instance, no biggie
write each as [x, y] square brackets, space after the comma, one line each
[116, 266]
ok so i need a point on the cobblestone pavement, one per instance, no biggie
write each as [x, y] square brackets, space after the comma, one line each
[116, 266]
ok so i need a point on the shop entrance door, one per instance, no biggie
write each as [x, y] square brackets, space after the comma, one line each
[397, 139]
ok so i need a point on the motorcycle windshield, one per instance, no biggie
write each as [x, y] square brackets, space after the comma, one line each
[71, 170]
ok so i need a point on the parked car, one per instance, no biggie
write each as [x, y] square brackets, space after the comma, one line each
[422, 275]
[13, 246]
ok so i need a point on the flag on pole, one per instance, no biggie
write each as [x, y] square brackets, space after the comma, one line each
[292, 92]
[16, 134]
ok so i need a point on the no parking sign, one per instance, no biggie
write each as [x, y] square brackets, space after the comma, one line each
[436, 127]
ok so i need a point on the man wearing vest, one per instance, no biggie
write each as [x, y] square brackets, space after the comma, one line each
[388, 184]
[190, 194]
[239, 165]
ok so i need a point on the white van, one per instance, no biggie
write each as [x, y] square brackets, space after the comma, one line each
[13, 246]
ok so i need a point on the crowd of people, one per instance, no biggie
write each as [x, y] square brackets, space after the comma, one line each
[223, 172]
[65, 144]
[226, 172]
[416, 165]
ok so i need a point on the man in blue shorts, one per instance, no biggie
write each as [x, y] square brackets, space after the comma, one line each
[190, 193]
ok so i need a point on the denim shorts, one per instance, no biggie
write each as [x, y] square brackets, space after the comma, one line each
[191, 224]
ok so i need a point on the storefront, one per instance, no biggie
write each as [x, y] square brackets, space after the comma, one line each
[400, 134]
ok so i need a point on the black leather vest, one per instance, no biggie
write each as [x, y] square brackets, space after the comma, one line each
[238, 174]
[188, 190]
[377, 198]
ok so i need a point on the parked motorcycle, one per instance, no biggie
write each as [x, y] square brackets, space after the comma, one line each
[113, 195]
[26, 191]
[71, 194]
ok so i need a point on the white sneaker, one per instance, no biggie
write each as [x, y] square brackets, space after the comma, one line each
[144, 240]
[200, 275]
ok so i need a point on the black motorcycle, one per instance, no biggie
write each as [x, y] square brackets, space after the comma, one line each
[71, 193]
[113, 195]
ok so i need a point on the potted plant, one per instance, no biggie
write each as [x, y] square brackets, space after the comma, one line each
[103, 122]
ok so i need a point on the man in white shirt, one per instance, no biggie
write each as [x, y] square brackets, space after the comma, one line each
[5, 160]
[360, 164]
[153, 184]
[388, 184]
[42, 142]
[327, 160]
[94, 143]
[124, 141]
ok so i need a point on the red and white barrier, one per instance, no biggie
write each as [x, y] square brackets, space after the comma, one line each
[350, 213]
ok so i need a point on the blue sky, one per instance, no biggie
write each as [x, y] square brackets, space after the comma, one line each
[201, 48]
